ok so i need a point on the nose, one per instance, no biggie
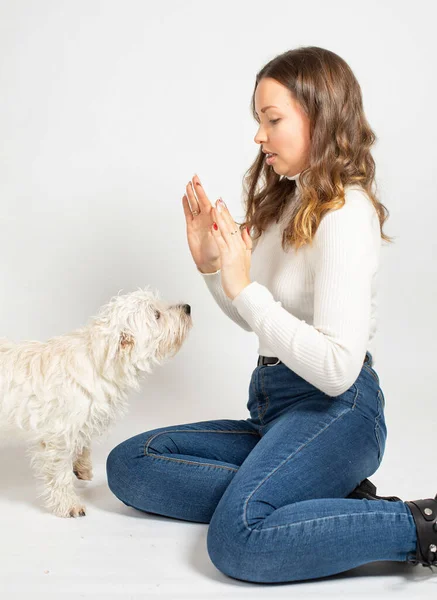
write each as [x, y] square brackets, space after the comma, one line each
[187, 308]
[260, 136]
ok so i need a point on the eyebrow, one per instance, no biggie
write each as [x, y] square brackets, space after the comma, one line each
[266, 107]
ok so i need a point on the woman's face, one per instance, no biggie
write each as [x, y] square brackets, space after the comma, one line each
[284, 128]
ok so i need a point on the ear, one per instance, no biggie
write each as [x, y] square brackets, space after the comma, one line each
[126, 340]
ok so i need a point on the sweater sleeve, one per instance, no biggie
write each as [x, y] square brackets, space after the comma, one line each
[214, 284]
[345, 255]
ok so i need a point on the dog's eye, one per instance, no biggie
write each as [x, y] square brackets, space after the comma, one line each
[157, 314]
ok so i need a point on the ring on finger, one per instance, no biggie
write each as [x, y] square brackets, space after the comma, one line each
[188, 196]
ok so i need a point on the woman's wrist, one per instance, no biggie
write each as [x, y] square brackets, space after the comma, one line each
[209, 268]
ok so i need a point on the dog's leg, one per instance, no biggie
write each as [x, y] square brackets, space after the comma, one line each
[52, 462]
[82, 466]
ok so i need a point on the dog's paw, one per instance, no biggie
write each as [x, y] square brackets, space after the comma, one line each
[77, 511]
[84, 474]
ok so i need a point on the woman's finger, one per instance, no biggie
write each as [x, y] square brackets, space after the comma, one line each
[247, 239]
[223, 226]
[194, 204]
[218, 233]
[201, 194]
[226, 216]
[231, 225]
[187, 210]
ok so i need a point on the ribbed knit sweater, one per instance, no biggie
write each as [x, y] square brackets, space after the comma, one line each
[314, 308]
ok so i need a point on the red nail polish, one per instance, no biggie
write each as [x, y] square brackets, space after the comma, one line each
[215, 226]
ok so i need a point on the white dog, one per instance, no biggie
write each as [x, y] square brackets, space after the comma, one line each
[64, 391]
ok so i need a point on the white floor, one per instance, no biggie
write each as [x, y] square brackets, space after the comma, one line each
[117, 552]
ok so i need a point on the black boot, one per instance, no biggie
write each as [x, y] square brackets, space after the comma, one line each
[425, 516]
[367, 490]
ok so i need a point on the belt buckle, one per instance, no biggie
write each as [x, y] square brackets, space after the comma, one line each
[273, 364]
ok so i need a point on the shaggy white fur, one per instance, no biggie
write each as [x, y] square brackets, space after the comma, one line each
[67, 390]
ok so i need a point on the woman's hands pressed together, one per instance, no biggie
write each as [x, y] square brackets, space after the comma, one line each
[215, 241]
[235, 250]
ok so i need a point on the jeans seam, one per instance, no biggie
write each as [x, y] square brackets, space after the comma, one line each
[369, 370]
[377, 418]
[381, 399]
[189, 462]
[357, 391]
[283, 463]
[256, 396]
[265, 396]
[360, 514]
[355, 397]
[377, 438]
[252, 385]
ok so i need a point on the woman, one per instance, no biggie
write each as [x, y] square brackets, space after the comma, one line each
[281, 489]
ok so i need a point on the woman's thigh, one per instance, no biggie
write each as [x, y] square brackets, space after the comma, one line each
[320, 447]
[180, 471]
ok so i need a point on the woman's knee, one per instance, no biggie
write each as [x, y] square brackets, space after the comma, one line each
[121, 462]
[117, 470]
[228, 541]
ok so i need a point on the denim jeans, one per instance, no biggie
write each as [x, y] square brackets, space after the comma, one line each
[273, 487]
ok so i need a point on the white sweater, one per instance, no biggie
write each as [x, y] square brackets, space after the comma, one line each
[315, 308]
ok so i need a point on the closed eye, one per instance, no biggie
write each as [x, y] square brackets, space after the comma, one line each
[274, 121]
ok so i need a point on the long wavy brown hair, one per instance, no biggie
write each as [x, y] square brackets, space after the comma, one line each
[340, 142]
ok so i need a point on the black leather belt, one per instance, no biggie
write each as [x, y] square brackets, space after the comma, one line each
[268, 360]
[272, 360]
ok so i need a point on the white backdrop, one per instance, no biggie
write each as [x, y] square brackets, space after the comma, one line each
[107, 109]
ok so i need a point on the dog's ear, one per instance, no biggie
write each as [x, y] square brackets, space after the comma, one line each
[126, 340]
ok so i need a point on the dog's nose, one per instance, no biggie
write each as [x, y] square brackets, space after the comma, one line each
[187, 308]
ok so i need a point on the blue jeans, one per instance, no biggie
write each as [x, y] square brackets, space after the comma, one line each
[273, 487]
